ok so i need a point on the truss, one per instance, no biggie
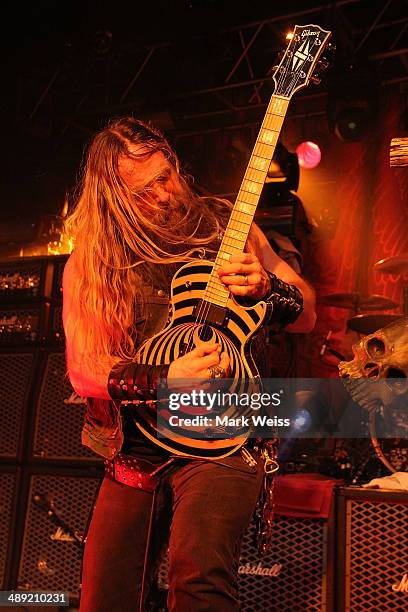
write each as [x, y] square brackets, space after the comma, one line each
[208, 83]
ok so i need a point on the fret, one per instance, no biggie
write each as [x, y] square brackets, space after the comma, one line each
[252, 187]
[244, 208]
[278, 106]
[235, 231]
[215, 285]
[248, 198]
[235, 213]
[227, 242]
[264, 150]
[221, 300]
[255, 175]
[258, 163]
[216, 302]
[252, 192]
[222, 255]
[268, 136]
[272, 122]
[214, 295]
[235, 224]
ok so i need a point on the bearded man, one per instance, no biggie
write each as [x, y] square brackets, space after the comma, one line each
[136, 219]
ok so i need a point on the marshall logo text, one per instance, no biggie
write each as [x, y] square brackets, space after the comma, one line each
[402, 586]
[258, 570]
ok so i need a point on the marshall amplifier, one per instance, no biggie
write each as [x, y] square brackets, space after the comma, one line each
[56, 511]
[296, 576]
[59, 415]
[18, 370]
[9, 477]
[25, 279]
[372, 550]
[23, 325]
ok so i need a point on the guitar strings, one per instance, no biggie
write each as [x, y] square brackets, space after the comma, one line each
[204, 308]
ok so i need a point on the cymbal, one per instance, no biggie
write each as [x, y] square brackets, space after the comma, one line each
[393, 265]
[369, 323]
[356, 301]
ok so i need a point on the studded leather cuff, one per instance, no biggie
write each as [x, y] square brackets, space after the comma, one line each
[129, 381]
[285, 301]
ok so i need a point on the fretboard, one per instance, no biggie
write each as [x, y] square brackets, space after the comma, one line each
[244, 209]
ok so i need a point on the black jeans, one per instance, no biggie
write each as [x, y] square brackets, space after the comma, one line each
[201, 509]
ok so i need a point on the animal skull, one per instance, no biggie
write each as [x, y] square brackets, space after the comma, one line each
[378, 374]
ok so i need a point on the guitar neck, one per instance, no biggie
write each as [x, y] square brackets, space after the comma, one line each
[249, 193]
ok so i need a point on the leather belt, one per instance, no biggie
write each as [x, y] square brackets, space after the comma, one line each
[134, 472]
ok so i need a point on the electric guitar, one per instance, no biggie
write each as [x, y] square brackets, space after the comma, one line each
[202, 308]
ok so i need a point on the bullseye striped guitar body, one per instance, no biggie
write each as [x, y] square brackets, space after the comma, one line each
[202, 307]
[229, 324]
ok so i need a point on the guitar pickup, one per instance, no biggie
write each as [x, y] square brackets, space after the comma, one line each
[212, 314]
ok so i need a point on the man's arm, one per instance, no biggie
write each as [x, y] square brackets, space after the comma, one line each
[246, 276]
[272, 262]
[85, 382]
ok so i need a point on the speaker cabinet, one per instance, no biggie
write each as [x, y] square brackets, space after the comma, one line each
[297, 576]
[59, 416]
[50, 557]
[8, 492]
[17, 371]
[25, 279]
[373, 550]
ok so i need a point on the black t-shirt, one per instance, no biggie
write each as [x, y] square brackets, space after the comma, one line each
[136, 444]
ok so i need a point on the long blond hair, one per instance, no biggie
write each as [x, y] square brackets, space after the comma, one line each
[112, 236]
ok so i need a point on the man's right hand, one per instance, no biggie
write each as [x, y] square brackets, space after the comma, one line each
[197, 362]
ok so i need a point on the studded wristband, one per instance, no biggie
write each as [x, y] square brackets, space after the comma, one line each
[129, 381]
[285, 301]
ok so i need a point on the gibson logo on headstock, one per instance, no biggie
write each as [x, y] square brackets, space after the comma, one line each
[402, 586]
[309, 33]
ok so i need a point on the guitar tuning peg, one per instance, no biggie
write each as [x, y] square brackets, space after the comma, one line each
[315, 79]
[323, 64]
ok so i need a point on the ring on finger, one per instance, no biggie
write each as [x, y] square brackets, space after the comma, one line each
[245, 279]
[216, 372]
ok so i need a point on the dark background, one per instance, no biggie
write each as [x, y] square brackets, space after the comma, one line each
[68, 67]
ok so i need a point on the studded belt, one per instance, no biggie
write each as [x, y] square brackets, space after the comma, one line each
[134, 472]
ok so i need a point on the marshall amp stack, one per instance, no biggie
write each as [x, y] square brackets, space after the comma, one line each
[372, 538]
[48, 480]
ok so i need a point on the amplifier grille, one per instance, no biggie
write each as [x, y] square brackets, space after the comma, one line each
[295, 578]
[59, 416]
[49, 560]
[7, 486]
[377, 538]
[16, 370]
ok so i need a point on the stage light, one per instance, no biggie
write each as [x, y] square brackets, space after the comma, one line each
[309, 154]
[302, 421]
[351, 124]
[289, 36]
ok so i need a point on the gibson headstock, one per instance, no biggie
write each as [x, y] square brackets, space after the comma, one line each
[300, 60]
